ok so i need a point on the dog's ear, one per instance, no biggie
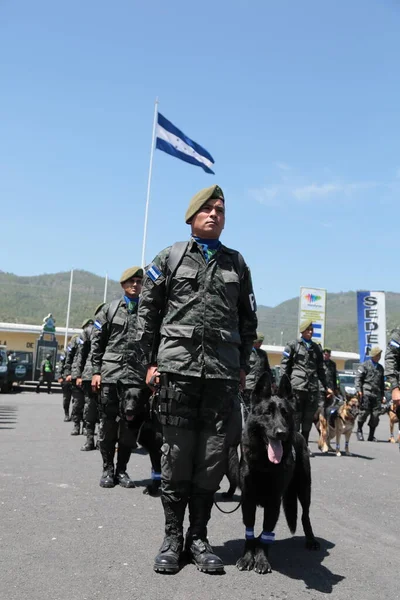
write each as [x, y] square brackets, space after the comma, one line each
[284, 388]
[262, 389]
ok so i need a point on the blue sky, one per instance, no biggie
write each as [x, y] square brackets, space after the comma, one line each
[298, 102]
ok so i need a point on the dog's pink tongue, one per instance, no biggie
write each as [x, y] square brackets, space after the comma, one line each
[275, 451]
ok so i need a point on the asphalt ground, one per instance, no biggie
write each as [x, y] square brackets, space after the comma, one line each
[62, 537]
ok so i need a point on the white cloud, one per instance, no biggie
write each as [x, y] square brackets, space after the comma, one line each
[282, 166]
[307, 192]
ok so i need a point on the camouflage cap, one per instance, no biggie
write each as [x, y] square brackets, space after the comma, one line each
[86, 322]
[99, 307]
[260, 337]
[375, 351]
[131, 272]
[305, 324]
[199, 199]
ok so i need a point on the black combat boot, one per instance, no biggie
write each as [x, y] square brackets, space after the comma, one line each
[107, 452]
[76, 429]
[89, 444]
[371, 437]
[121, 476]
[360, 435]
[167, 560]
[67, 418]
[197, 545]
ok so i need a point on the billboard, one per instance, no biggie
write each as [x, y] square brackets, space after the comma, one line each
[371, 320]
[312, 305]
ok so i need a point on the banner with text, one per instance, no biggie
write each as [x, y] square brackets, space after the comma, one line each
[312, 306]
[371, 319]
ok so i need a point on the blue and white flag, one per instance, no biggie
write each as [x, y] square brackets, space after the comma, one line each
[173, 141]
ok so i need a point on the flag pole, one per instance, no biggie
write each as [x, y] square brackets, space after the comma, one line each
[68, 309]
[105, 288]
[149, 182]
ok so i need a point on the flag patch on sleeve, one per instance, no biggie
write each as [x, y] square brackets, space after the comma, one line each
[80, 341]
[153, 272]
[394, 344]
[286, 353]
[98, 325]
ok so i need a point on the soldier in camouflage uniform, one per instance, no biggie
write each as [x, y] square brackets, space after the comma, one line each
[78, 399]
[370, 388]
[302, 362]
[259, 364]
[392, 368]
[66, 389]
[84, 380]
[196, 326]
[120, 376]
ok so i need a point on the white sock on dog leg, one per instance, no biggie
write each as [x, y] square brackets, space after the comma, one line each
[267, 537]
[249, 533]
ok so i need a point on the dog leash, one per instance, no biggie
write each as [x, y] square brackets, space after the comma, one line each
[228, 512]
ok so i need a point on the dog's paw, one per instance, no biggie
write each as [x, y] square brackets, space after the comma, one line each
[246, 562]
[261, 564]
[347, 453]
[312, 544]
[392, 440]
[338, 453]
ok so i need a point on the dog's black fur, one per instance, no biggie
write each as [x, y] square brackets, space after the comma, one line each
[267, 484]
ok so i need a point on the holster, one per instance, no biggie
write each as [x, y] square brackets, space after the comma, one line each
[173, 407]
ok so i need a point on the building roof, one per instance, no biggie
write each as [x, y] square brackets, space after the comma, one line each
[335, 353]
[25, 328]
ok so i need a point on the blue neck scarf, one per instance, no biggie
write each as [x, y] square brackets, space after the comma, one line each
[131, 304]
[208, 247]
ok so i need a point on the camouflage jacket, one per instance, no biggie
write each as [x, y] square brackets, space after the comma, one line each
[116, 356]
[370, 380]
[259, 364]
[330, 374]
[205, 323]
[82, 363]
[304, 366]
[72, 349]
[392, 359]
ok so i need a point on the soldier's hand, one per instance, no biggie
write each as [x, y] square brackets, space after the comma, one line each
[396, 394]
[152, 377]
[242, 381]
[383, 400]
[329, 393]
[68, 378]
[96, 383]
[60, 380]
[79, 381]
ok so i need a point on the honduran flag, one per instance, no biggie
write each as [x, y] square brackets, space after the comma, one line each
[171, 140]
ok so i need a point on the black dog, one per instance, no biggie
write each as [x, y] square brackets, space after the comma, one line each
[274, 467]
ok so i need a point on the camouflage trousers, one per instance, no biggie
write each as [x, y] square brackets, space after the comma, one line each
[78, 402]
[200, 419]
[305, 406]
[67, 393]
[370, 407]
[90, 413]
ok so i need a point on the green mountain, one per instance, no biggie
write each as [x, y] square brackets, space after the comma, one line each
[30, 299]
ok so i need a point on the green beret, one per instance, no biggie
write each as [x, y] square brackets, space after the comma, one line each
[375, 351]
[131, 272]
[199, 199]
[260, 337]
[305, 324]
[86, 322]
[99, 307]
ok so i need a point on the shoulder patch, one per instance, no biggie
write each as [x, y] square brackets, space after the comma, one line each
[153, 272]
[69, 348]
[394, 344]
[80, 341]
[97, 324]
[286, 353]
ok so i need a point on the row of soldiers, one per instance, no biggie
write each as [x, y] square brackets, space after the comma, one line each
[191, 338]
